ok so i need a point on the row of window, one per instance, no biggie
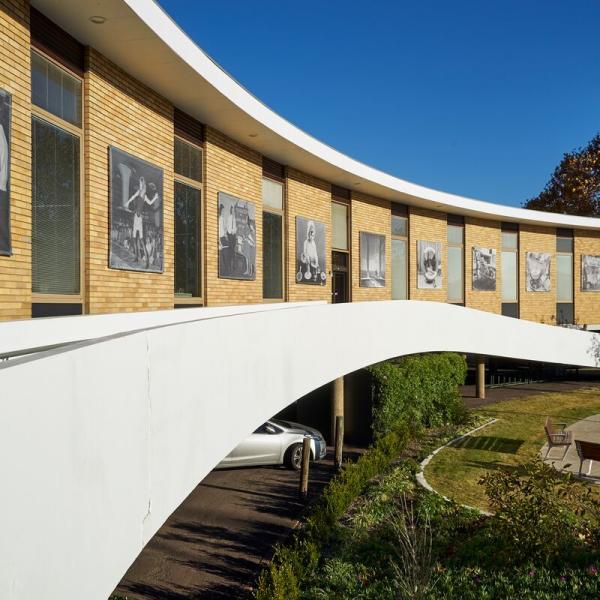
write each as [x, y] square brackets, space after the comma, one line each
[56, 223]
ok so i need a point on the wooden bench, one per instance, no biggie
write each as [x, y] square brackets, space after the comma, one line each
[587, 451]
[557, 438]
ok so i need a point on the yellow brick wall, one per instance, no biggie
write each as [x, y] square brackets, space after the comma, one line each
[15, 270]
[121, 112]
[587, 304]
[431, 226]
[371, 215]
[537, 306]
[484, 234]
[235, 170]
[310, 198]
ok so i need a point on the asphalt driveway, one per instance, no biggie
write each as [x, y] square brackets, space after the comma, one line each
[213, 545]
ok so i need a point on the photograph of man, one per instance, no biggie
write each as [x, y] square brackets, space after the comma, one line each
[136, 240]
[237, 238]
[5, 106]
[310, 252]
[538, 271]
[429, 264]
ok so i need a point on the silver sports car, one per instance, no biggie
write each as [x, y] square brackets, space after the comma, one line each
[275, 442]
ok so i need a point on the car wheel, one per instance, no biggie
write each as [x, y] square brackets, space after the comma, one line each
[293, 457]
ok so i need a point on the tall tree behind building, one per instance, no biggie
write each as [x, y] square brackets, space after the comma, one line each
[574, 187]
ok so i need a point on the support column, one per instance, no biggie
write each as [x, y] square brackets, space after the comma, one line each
[337, 403]
[480, 382]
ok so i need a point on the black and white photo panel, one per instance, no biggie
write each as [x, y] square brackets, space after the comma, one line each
[5, 112]
[311, 265]
[372, 260]
[484, 269]
[136, 214]
[537, 271]
[590, 273]
[429, 265]
[237, 237]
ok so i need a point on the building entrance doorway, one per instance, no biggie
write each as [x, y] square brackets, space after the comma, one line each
[339, 286]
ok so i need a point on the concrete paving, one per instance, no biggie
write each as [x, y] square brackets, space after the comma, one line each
[587, 429]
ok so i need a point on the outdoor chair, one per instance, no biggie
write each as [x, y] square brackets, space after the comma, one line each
[557, 438]
[587, 451]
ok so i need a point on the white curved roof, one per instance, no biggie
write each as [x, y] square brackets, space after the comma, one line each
[143, 40]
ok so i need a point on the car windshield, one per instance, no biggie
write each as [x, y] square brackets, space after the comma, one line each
[286, 424]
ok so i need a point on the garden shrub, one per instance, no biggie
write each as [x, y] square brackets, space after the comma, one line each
[536, 510]
[293, 563]
[419, 389]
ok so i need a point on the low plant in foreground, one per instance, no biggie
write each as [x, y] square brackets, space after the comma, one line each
[540, 514]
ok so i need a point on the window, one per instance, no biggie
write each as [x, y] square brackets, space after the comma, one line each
[564, 276]
[339, 218]
[510, 270]
[56, 183]
[272, 238]
[399, 257]
[54, 90]
[188, 205]
[456, 251]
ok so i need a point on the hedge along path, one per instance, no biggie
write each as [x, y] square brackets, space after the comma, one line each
[514, 439]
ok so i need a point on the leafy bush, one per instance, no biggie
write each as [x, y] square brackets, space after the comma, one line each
[291, 564]
[520, 582]
[536, 511]
[419, 389]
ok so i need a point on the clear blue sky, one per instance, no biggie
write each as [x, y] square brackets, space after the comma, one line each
[479, 98]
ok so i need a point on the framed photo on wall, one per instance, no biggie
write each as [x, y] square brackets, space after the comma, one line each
[237, 237]
[590, 273]
[311, 263]
[484, 269]
[372, 260]
[5, 131]
[429, 265]
[136, 214]
[537, 272]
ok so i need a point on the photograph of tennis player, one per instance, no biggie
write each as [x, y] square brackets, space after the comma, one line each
[136, 214]
[429, 265]
[372, 260]
[5, 106]
[311, 267]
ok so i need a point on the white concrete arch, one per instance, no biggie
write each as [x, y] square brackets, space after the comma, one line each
[101, 440]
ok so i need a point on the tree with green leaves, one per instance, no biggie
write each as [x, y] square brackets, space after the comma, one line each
[574, 187]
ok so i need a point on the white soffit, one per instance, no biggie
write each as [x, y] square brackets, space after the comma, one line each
[145, 42]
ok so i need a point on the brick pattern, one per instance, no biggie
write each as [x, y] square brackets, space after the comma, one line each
[431, 226]
[15, 67]
[587, 304]
[371, 215]
[484, 234]
[121, 112]
[235, 170]
[537, 306]
[308, 197]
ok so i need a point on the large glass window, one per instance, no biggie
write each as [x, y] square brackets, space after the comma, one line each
[510, 273]
[188, 160]
[187, 240]
[564, 276]
[399, 258]
[456, 264]
[272, 239]
[54, 90]
[188, 205]
[339, 217]
[55, 210]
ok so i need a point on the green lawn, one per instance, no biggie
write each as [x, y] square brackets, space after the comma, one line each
[515, 438]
